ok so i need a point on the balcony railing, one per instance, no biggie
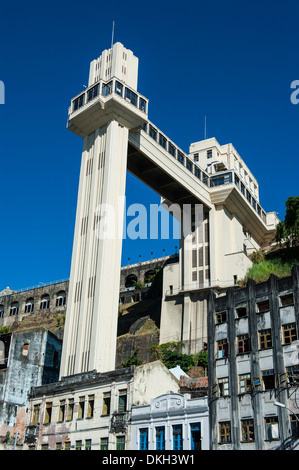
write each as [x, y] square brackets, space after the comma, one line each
[105, 89]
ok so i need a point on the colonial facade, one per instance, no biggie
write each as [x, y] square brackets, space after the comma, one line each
[172, 421]
[92, 411]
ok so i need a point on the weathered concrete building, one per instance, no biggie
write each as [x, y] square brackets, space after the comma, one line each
[92, 411]
[27, 359]
[253, 364]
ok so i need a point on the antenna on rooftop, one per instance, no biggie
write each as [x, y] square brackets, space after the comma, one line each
[113, 23]
[205, 127]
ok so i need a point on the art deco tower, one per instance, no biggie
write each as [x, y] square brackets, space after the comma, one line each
[102, 115]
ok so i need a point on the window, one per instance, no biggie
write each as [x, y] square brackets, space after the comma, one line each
[78, 445]
[120, 443]
[14, 308]
[189, 165]
[268, 379]
[295, 426]
[263, 306]
[289, 333]
[93, 92]
[106, 403]
[181, 157]
[224, 432]
[244, 383]
[60, 299]
[142, 105]
[195, 157]
[90, 406]
[265, 338]
[131, 96]
[209, 153]
[223, 387]
[122, 401]
[87, 444]
[29, 305]
[241, 312]
[247, 427]
[35, 417]
[221, 317]
[160, 438]
[78, 102]
[222, 348]
[44, 447]
[45, 302]
[48, 413]
[243, 344]
[118, 88]
[205, 179]
[171, 149]
[81, 407]
[61, 411]
[197, 172]
[104, 443]
[177, 432]
[162, 141]
[1, 311]
[271, 428]
[286, 300]
[152, 132]
[293, 374]
[67, 445]
[143, 439]
[195, 429]
[70, 409]
[25, 349]
[107, 89]
[58, 446]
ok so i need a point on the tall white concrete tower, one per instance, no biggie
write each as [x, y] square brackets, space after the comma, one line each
[102, 115]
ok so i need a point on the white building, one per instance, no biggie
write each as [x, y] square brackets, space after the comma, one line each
[172, 421]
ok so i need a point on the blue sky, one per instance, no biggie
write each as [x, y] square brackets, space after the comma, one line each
[230, 61]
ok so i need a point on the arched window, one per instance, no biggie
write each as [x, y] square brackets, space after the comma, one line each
[14, 308]
[148, 276]
[60, 298]
[130, 280]
[29, 305]
[45, 302]
[1, 311]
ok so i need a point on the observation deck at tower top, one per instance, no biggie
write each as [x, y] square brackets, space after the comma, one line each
[160, 163]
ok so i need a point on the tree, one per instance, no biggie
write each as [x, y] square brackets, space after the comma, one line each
[287, 231]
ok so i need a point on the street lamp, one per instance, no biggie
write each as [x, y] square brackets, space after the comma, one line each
[281, 405]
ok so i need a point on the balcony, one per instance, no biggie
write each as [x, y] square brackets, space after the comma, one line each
[104, 101]
[119, 422]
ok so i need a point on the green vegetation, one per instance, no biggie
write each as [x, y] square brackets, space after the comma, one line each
[170, 355]
[281, 261]
[287, 231]
[132, 360]
[260, 272]
[4, 330]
